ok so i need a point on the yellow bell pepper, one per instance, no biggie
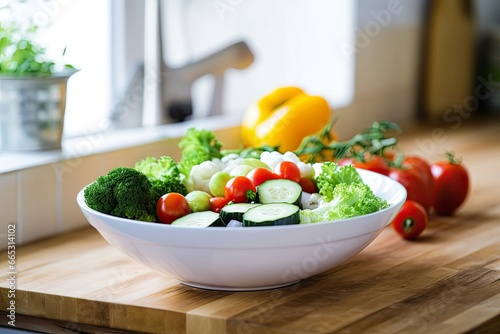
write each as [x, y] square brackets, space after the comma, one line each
[283, 118]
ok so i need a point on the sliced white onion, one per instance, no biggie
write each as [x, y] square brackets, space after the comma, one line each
[310, 201]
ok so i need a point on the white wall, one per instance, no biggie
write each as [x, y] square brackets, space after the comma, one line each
[388, 43]
[386, 63]
[295, 42]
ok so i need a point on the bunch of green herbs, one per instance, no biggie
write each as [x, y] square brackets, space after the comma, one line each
[21, 55]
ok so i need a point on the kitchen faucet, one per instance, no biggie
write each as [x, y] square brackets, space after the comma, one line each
[167, 90]
[160, 94]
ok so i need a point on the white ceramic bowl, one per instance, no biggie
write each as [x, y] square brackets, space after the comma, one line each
[248, 258]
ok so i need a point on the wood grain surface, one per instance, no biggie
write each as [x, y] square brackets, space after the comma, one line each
[446, 282]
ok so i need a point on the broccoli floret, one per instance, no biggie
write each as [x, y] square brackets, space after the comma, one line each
[123, 192]
[198, 146]
[164, 175]
[348, 200]
[332, 174]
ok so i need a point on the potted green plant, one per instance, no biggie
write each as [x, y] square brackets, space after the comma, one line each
[32, 92]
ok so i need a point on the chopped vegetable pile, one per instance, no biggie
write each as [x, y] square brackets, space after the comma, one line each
[281, 179]
[213, 187]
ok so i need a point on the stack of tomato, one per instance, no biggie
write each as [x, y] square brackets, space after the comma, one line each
[440, 187]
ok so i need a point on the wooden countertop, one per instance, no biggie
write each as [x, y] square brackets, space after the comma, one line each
[446, 282]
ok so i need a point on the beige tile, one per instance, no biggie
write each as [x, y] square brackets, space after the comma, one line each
[8, 204]
[129, 156]
[229, 137]
[38, 203]
[48, 193]
[72, 176]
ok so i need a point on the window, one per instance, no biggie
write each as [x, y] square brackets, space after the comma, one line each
[295, 42]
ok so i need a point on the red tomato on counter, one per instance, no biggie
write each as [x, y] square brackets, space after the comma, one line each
[451, 185]
[374, 163]
[419, 163]
[416, 176]
[411, 220]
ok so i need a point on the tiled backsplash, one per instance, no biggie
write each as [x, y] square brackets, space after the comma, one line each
[41, 200]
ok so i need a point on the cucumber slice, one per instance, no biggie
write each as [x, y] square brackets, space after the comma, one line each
[199, 219]
[272, 214]
[280, 191]
[235, 211]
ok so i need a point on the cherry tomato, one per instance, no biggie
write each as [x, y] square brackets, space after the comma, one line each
[171, 206]
[411, 220]
[287, 170]
[217, 203]
[424, 167]
[373, 163]
[416, 176]
[240, 189]
[308, 185]
[421, 164]
[260, 175]
[451, 185]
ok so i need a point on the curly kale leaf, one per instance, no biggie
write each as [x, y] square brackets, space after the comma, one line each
[164, 175]
[198, 146]
[347, 201]
[332, 175]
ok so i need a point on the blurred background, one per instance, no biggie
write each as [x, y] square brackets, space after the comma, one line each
[398, 60]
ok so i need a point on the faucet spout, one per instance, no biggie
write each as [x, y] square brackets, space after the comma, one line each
[237, 56]
[167, 90]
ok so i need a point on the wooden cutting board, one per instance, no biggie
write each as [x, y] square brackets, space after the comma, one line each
[446, 282]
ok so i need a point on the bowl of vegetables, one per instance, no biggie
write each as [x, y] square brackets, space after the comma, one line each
[258, 227]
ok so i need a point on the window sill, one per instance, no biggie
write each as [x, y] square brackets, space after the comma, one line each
[38, 189]
[102, 142]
